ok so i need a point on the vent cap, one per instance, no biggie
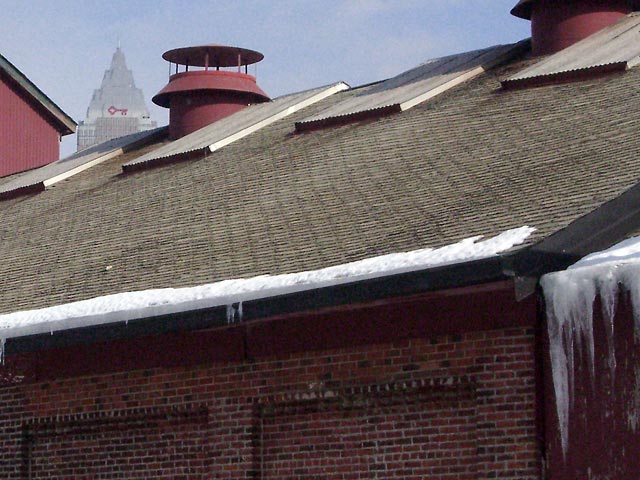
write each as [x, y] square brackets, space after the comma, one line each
[207, 93]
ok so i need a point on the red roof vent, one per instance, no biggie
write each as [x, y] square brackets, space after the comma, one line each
[557, 24]
[197, 98]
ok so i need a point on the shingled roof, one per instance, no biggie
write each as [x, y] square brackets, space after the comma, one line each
[475, 160]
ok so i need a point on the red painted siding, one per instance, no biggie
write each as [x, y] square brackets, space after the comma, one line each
[604, 416]
[27, 140]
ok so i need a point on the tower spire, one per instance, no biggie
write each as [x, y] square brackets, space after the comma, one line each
[117, 108]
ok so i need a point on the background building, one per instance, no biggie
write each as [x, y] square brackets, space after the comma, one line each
[30, 123]
[117, 107]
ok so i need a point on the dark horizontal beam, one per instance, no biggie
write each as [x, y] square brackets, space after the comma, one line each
[392, 286]
[600, 229]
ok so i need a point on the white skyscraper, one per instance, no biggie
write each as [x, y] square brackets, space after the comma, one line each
[116, 109]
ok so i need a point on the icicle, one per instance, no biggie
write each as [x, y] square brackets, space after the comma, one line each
[632, 282]
[569, 298]
[582, 321]
[633, 413]
[568, 344]
[608, 287]
[559, 364]
[240, 311]
[2, 343]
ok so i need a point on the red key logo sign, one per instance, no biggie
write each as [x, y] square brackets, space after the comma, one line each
[113, 110]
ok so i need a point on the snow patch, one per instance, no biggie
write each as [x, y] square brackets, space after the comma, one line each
[569, 297]
[123, 307]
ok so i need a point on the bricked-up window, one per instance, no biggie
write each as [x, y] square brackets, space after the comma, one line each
[427, 433]
[142, 445]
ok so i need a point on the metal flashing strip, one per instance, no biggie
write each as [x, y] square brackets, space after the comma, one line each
[413, 87]
[230, 129]
[38, 179]
[612, 49]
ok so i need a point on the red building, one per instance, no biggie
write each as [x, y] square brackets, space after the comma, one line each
[344, 282]
[31, 124]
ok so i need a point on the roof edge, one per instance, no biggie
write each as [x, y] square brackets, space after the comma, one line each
[63, 122]
[22, 191]
[102, 155]
[348, 118]
[597, 230]
[446, 73]
[129, 168]
[447, 277]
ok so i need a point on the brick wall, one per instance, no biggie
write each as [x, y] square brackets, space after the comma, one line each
[452, 407]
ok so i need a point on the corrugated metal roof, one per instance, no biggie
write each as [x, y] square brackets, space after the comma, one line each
[414, 86]
[66, 125]
[236, 126]
[40, 178]
[614, 47]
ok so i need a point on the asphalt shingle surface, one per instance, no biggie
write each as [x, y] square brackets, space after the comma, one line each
[474, 161]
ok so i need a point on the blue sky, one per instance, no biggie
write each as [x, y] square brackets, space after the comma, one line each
[64, 46]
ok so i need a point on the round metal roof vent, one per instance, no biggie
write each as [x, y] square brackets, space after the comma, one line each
[212, 85]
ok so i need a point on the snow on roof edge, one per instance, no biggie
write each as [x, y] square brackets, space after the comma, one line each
[126, 306]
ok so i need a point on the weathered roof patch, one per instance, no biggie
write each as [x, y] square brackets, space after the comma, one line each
[614, 48]
[412, 87]
[37, 180]
[233, 128]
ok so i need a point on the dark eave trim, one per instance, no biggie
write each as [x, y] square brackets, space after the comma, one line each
[21, 191]
[600, 229]
[59, 119]
[364, 291]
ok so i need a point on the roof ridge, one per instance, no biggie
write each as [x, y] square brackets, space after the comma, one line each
[413, 86]
[234, 127]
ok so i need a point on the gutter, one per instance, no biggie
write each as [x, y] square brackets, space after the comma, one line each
[594, 231]
[597, 230]
[457, 275]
